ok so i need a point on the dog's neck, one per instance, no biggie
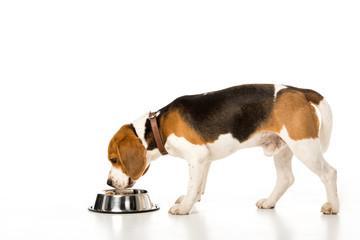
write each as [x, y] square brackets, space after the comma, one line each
[143, 129]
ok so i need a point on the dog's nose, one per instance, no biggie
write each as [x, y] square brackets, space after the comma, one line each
[109, 182]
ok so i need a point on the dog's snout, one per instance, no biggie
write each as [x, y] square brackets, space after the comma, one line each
[109, 182]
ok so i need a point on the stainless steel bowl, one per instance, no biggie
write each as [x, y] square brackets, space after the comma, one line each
[123, 201]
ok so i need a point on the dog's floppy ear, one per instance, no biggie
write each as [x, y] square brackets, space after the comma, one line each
[132, 153]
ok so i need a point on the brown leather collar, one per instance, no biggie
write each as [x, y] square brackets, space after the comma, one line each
[156, 133]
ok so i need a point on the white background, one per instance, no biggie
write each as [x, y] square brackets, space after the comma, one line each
[72, 72]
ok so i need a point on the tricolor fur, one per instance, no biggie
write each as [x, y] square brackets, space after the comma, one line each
[283, 120]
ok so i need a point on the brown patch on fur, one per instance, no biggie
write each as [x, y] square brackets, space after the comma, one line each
[293, 110]
[174, 123]
[128, 152]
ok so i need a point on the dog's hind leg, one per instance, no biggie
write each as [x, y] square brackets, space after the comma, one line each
[309, 152]
[204, 178]
[285, 178]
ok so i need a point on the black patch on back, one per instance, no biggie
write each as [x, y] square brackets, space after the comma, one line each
[237, 110]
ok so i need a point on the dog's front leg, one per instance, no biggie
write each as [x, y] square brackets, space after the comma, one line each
[196, 172]
[203, 184]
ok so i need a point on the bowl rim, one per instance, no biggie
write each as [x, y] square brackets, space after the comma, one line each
[118, 192]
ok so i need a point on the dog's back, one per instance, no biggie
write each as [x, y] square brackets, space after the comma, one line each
[242, 110]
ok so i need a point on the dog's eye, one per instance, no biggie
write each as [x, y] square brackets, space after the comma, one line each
[113, 160]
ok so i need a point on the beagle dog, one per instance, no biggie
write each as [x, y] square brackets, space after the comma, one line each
[283, 120]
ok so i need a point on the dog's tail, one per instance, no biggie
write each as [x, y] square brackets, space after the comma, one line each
[325, 125]
[325, 114]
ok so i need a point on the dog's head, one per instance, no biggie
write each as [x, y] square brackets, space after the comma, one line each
[128, 158]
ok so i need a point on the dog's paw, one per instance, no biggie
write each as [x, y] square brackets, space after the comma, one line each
[328, 209]
[181, 198]
[265, 204]
[179, 209]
